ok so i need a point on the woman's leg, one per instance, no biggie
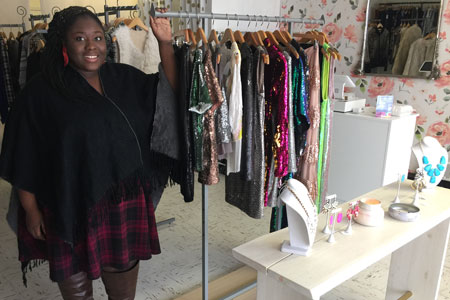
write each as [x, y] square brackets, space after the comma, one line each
[76, 287]
[121, 284]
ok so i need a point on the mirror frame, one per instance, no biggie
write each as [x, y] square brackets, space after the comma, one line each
[435, 70]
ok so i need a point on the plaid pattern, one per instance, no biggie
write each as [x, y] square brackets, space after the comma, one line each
[126, 232]
[8, 82]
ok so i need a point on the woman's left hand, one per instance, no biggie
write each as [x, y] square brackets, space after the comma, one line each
[161, 28]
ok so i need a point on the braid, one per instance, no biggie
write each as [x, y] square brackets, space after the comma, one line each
[52, 61]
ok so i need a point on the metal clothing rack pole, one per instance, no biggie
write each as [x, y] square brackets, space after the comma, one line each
[38, 18]
[233, 17]
[403, 3]
[117, 10]
[13, 26]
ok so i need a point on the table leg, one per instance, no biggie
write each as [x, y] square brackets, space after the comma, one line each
[417, 266]
[269, 288]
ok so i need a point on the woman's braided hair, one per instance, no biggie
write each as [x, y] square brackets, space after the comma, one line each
[52, 61]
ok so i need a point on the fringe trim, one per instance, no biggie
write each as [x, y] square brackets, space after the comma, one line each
[28, 266]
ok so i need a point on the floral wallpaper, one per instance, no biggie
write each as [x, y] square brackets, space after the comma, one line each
[344, 25]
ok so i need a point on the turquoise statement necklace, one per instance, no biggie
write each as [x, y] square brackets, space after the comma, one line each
[428, 167]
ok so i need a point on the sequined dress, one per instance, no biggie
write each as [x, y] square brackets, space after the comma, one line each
[308, 161]
[249, 195]
[210, 170]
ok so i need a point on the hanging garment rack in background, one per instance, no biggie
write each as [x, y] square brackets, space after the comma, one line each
[38, 18]
[22, 11]
[233, 17]
[116, 9]
[13, 26]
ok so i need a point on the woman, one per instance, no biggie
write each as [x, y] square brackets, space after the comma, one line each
[78, 150]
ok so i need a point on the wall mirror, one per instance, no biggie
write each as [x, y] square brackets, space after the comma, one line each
[400, 38]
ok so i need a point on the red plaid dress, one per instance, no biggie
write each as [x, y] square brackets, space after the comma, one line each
[127, 232]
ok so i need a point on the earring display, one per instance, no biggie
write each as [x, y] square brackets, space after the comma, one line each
[333, 220]
[401, 178]
[418, 185]
[330, 204]
[352, 211]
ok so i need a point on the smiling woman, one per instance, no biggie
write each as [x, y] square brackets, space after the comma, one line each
[86, 49]
[78, 149]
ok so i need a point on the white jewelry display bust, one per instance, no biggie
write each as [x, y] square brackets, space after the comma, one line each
[302, 218]
[431, 156]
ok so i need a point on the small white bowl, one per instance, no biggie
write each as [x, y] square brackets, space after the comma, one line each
[404, 212]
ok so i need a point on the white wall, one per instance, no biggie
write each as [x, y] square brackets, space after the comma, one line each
[8, 14]
[246, 7]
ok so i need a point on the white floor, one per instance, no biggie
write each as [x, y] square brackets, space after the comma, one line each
[178, 268]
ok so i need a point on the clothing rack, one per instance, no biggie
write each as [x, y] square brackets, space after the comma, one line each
[22, 11]
[233, 17]
[117, 10]
[14, 26]
[409, 3]
[38, 18]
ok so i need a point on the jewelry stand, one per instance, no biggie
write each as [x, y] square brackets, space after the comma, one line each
[432, 159]
[302, 218]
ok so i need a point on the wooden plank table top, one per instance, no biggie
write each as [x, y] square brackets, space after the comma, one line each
[331, 264]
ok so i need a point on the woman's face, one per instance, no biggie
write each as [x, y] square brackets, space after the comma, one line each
[86, 46]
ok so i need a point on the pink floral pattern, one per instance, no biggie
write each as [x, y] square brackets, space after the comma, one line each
[442, 82]
[380, 86]
[333, 32]
[407, 82]
[350, 34]
[421, 120]
[311, 26]
[441, 132]
[344, 27]
[446, 15]
[445, 68]
[361, 15]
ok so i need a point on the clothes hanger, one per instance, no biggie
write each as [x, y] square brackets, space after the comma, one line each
[11, 35]
[307, 37]
[262, 35]
[431, 35]
[200, 36]
[280, 38]
[213, 37]
[118, 21]
[272, 38]
[136, 22]
[287, 35]
[40, 45]
[250, 39]
[228, 35]
[257, 38]
[182, 33]
[238, 36]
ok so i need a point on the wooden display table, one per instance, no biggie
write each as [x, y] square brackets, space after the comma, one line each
[418, 252]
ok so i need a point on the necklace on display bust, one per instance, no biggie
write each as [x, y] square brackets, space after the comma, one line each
[311, 220]
[429, 168]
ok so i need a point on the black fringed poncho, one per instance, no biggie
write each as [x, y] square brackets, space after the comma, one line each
[71, 152]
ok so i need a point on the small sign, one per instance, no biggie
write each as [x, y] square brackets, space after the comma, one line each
[384, 106]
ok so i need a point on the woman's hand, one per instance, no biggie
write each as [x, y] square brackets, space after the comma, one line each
[33, 215]
[35, 224]
[161, 28]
